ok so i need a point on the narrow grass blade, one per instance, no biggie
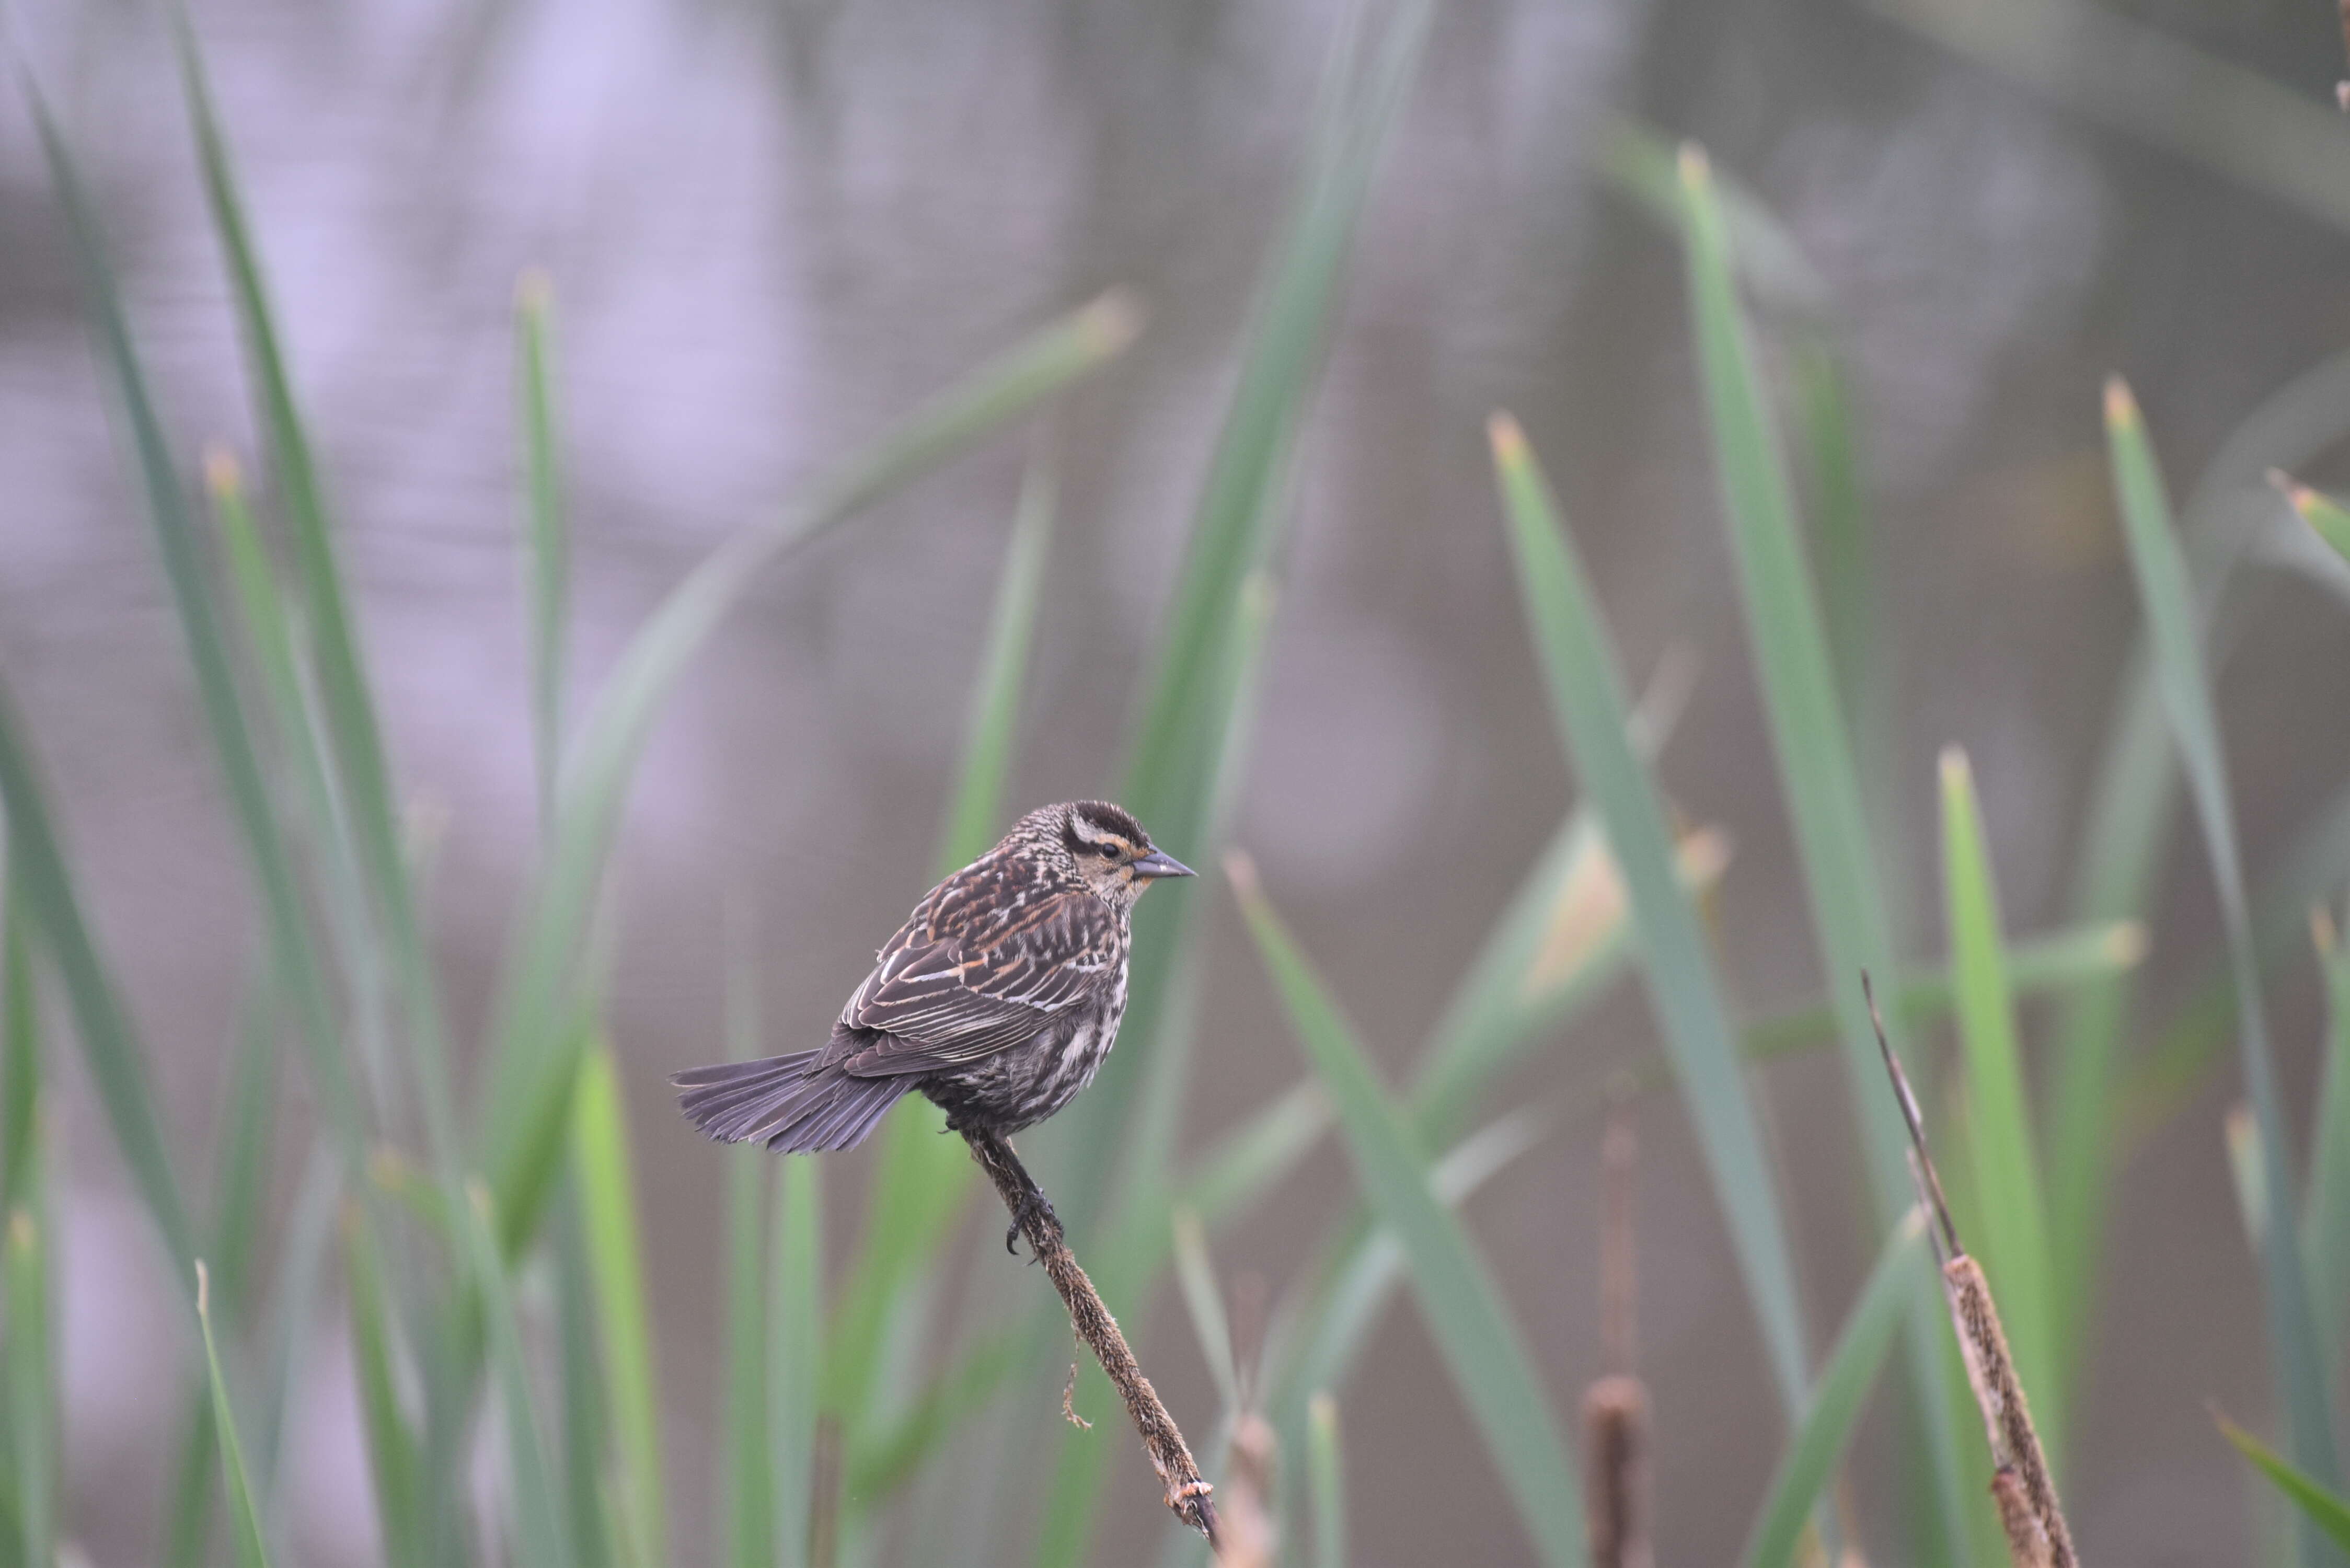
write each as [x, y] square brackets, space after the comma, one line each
[2325, 1212]
[1184, 735]
[540, 1533]
[1639, 161]
[1588, 698]
[179, 545]
[587, 1419]
[2320, 1505]
[2172, 625]
[746, 1458]
[2056, 963]
[1482, 1346]
[2325, 516]
[549, 538]
[2010, 1214]
[118, 1061]
[393, 1462]
[921, 1178]
[1843, 1388]
[532, 1065]
[1325, 1462]
[245, 1520]
[796, 1365]
[1812, 747]
[1195, 1272]
[20, 1044]
[32, 1366]
[608, 1206]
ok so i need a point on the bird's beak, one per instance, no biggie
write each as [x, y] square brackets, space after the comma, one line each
[1158, 863]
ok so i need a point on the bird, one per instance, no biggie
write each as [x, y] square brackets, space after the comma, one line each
[997, 1000]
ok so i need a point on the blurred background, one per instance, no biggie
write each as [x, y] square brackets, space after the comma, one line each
[769, 228]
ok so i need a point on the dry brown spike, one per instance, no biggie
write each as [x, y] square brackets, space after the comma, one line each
[1616, 1407]
[1188, 1494]
[2029, 1513]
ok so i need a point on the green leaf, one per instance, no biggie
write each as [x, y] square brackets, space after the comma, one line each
[1843, 1384]
[1587, 698]
[117, 1060]
[20, 1044]
[180, 543]
[1817, 769]
[1481, 1343]
[549, 537]
[349, 707]
[605, 1173]
[746, 1458]
[796, 1357]
[538, 1531]
[2174, 629]
[392, 1458]
[1203, 1301]
[2325, 515]
[532, 1055]
[922, 1179]
[1324, 1462]
[2325, 1212]
[2010, 1208]
[32, 1387]
[1201, 669]
[244, 1521]
[2320, 1505]
[585, 1406]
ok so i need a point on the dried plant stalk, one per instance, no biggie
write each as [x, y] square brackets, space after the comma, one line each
[1616, 1407]
[2037, 1536]
[1247, 1526]
[1188, 1494]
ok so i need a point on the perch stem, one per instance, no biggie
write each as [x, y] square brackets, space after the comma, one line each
[1188, 1494]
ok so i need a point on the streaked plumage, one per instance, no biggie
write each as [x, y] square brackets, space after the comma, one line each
[998, 998]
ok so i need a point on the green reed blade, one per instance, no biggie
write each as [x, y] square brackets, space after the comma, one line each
[1588, 698]
[1325, 1463]
[190, 574]
[356, 736]
[796, 1355]
[244, 1519]
[2325, 516]
[1482, 1346]
[1845, 1379]
[393, 1462]
[538, 1531]
[545, 528]
[2321, 1506]
[1817, 765]
[2174, 627]
[117, 1059]
[1203, 1303]
[533, 1059]
[2010, 1227]
[605, 1174]
[746, 1458]
[586, 1409]
[2325, 1211]
[921, 1178]
[31, 1358]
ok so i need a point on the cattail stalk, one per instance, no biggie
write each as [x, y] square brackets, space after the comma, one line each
[2021, 1487]
[1188, 1494]
[1616, 1407]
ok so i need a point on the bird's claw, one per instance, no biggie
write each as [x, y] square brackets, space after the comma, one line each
[1031, 1206]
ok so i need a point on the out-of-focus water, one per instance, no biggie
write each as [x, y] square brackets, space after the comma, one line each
[771, 228]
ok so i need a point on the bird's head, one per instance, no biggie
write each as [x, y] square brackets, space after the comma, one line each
[1107, 848]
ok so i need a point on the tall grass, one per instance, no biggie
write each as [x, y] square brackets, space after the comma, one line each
[458, 1201]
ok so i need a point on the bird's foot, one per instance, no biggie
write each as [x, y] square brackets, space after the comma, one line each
[1033, 1205]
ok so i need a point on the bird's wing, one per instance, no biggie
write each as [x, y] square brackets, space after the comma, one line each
[941, 999]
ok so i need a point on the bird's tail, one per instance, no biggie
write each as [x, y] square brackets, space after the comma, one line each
[791, 1104]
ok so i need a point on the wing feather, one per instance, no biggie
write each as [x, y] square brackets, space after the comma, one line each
[964, 979]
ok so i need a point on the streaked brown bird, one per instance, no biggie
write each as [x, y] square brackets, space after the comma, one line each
[998, 998]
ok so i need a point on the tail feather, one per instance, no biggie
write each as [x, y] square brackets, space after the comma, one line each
[791, 1103]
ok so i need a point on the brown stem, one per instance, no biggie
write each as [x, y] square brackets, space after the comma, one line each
[1188, 1493]
[2034, 1520]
